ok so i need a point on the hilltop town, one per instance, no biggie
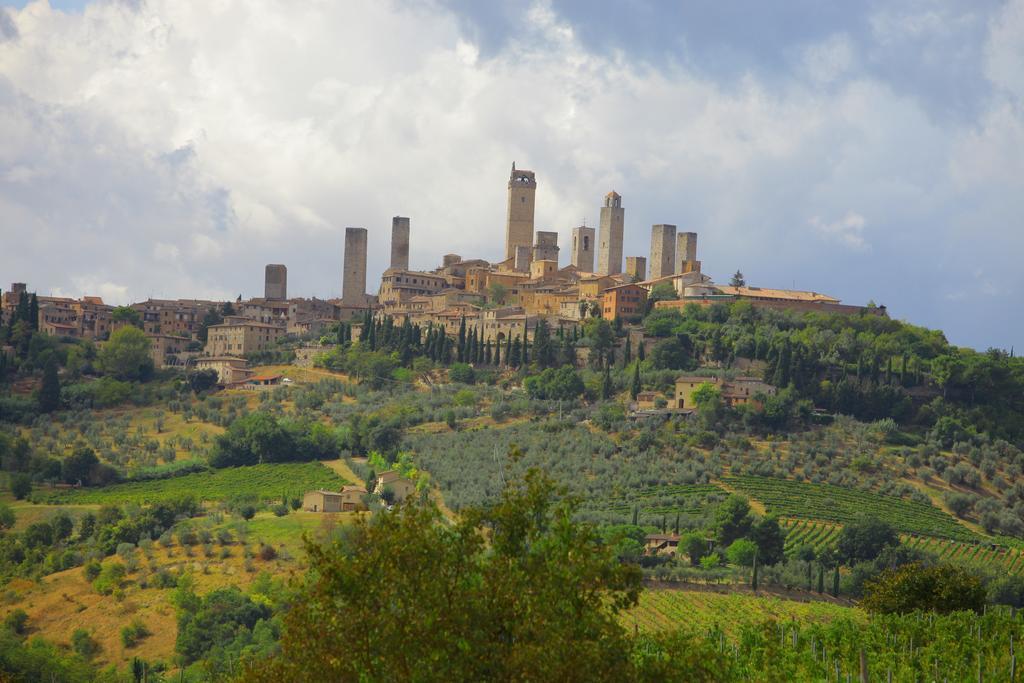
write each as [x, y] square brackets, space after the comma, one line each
[500, 301]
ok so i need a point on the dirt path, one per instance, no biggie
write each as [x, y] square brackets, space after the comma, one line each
[343, 470]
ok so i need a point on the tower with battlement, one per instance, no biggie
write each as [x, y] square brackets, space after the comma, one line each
[275, 282]
[353, 279]
[583, 247]
[399, 243]
[663, 250]
[522, 194]
[686, 253]
[613, 220]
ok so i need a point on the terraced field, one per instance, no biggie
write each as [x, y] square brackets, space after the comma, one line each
[801, 532]
[266, 482]
[698, 610]
[659, 501]
[1010, 560]
[828, 503]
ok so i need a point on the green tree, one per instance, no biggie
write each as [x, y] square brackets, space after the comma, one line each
[21, 485]
[7, 517]
[126, 314]
[732, 520]
[77, 468]
[694, 545]
[49, 391]
[466, 618]
[126, 355]
[544, 352]
[737, 280]
[864, 538]
[770, 540]
[635, 387]
[663, 291]
[497, 293]
[555, 384]
[941, 588]
[741, 552]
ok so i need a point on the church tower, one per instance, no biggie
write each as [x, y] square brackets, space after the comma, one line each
[522, 191]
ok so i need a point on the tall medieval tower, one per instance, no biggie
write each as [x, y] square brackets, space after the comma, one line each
[613, 220]
[663, 250]
[353, 278]
[522, 192]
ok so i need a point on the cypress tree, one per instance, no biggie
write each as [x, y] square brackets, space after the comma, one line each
[508, 349]
[835, 582]
[634, 389]
[487, 352]
[526, 346]
[49, 392]
[516, 355]
[753, 578]
[640, 352]
[636, 514]
[821, 578]
[462, 339]
[606, 385]
[568, 353]
[33, 312]
[627, 352]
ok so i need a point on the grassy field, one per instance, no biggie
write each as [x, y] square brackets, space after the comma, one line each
[698, 610]
[827, 503]
[65, 601]
[266, 482]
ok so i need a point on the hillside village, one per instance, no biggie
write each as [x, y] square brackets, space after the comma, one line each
[500, 301]
[725, 453]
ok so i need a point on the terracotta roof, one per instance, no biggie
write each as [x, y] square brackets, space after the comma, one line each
[264, 378]
[780, 294]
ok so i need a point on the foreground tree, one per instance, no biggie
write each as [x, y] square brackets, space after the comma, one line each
[518, 591]
[126, 355]
[942, 588]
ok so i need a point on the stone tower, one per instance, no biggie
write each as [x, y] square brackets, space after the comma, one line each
[613, 220]
[583, 248]
[686, 252]
[546, 247]
[522, 193]
[636, 268]
[663, 250]
[399, 243]
[275, 282]
[353, 280]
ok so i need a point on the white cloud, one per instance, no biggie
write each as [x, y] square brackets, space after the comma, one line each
[847, 231]
[175, 147]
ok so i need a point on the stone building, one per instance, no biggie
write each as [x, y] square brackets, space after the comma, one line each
[546, 247]
[736, 391]
[400, 243]
[239, 336]
[275, 282]
[663, 250]
[522, 193]
[686, 253]
[353, 282]
[627, 302]
[613, 221]
[583, 249]
[636, 268]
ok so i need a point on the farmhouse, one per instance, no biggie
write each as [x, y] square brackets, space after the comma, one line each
[322, 501]
[396, 483]
[661, 544]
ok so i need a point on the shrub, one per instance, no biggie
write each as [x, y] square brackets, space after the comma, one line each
[267, 552]
[84, 644]
[133, 633]
[247, 511]
[17, 621]
[280, 510]
[710, 561]
[92, 570]
[109, 579]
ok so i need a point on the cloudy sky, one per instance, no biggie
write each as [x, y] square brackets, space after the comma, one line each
[869, 150]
